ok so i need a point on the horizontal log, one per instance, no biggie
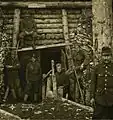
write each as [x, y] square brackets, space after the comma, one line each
[43, 11]
[46, 4]
[9, 26]
[43, 47]
[49, 36]
[74, 11]
[8, 16]
[43, 42]
[90, 109]
[75, 16]
[9, 31]
[73, 20]
[47, 21]
[49, 26]
[10, 114]
[49, 30]
[72, 25]
[8, 21]
[47, 16]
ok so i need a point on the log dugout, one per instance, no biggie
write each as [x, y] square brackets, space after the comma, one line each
[49, 24]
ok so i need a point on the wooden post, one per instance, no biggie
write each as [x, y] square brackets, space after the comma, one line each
[68, 49]
[16, 22]
[66, 38]
[102, 24]
[2, 57]
[54, 79]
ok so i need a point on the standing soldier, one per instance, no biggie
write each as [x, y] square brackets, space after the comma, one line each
[33, 77]
[102, 86]
[13, 77]
[27, 28]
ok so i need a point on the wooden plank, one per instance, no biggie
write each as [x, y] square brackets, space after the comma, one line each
[49, 30]
[47, 4]
[47, 21]
[44, 47]
[49, 25]
[47, 16]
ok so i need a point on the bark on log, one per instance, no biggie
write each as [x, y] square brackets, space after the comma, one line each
[66, 37]
[76, 16]
[73, 20]
[90, 109]
[54, 78]
[46, 4]
[46, 42]
[10, 114]
[45, 26]
[44, 46]
[102, 23]
[47, 16]
[49, 30]
[16, 26]
[48, 21]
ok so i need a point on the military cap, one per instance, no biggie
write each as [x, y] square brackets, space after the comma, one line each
[58, 64]
[106, 51]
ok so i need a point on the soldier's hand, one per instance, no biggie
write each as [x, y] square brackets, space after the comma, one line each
[92, 101]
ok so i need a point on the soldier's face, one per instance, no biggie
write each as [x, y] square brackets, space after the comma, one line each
[107, 58]
[58, 68]
[33, 59]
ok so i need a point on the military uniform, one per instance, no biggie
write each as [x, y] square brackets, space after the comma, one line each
[102, 90]
[33, 78]
[28, 29]
[62, 82]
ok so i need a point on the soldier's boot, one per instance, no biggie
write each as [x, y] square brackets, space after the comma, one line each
[14, 93]
[6, 94]
[25, 97]
[35, 97]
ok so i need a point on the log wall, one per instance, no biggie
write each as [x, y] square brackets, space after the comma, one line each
[49, 23]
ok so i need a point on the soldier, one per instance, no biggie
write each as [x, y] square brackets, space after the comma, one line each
[62, 80]
[102, 86]
[28, 28]
[33, 77]
[13, 77]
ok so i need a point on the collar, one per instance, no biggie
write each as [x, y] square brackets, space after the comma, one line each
[108, 64]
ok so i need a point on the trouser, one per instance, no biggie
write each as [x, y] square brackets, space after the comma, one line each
[102, 112]
[22, 38]
[62, 91]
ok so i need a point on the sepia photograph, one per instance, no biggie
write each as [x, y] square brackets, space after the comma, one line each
[56, 60]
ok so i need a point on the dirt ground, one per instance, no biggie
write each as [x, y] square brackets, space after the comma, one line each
[48, 109]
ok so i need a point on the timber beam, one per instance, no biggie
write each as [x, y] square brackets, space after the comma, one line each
[47, 4]
[44, 47]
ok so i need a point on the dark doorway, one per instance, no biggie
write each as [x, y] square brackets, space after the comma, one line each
[47, 55]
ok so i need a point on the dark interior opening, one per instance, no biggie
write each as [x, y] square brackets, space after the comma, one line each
[47, 55]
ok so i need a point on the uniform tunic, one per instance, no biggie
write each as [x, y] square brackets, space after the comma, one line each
[33, 76]
[102, 84]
